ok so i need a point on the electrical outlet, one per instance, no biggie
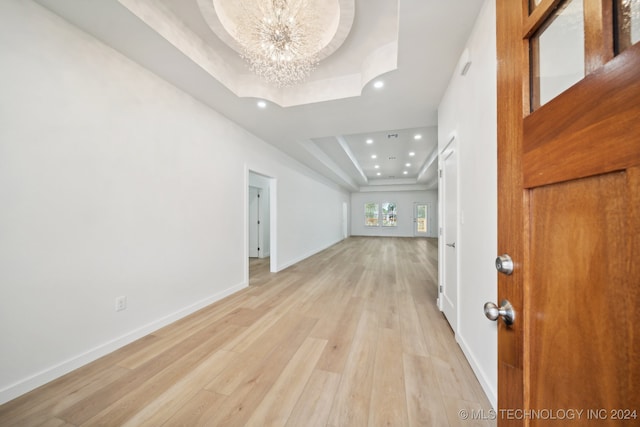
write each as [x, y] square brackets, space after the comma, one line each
[121, 303]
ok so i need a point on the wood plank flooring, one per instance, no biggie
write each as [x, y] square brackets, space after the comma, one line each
[348, 337]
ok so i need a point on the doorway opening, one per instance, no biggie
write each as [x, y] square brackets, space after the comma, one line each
[260, 227]
[256, 223]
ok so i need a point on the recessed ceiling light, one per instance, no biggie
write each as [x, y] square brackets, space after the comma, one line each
[411, 153]
[369, 141]
[373, 156]
[405, 172]
[417, 136]
[408, 164]
[262, 104]
[377, 166]
[379, 84]
[379, 174]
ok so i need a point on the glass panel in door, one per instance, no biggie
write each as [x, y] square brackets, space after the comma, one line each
[628, 23]
[533, 4]
[558, 53]
[421, 219]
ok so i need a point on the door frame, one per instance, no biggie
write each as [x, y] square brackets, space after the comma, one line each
[273, 220]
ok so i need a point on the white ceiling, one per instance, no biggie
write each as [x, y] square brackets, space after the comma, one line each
[413, 46]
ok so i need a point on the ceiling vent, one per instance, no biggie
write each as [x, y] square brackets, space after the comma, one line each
[465, 62]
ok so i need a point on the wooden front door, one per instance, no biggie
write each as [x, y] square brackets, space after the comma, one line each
[569, 216]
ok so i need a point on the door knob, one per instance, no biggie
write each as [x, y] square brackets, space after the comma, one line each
[505, 311]
[504, 264]
[452, 245]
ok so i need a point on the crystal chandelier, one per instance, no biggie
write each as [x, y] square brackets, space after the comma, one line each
[280, 40]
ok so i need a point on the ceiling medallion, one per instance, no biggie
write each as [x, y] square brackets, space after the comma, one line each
[280, 39]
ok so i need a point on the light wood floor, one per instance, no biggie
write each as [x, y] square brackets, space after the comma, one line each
[348, 337]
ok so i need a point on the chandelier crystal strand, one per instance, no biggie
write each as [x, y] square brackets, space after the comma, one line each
[279, 40]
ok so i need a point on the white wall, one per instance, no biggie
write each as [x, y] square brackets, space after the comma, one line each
[113, 182]
[405, 201]
[469, 109]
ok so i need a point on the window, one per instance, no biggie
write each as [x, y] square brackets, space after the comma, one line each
[389, 214]
[558, 53]
[371, 214]
[628, 22]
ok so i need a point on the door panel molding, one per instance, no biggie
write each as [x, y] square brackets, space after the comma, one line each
[573, 223]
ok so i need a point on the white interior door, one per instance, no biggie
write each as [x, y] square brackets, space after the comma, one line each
[449, 289]
[254, 222]
[421, 219]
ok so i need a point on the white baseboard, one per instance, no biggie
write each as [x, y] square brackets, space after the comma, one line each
[306, 255]
[485, 383]
[38, 379]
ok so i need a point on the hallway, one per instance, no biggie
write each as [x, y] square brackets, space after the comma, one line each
[348, 337]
